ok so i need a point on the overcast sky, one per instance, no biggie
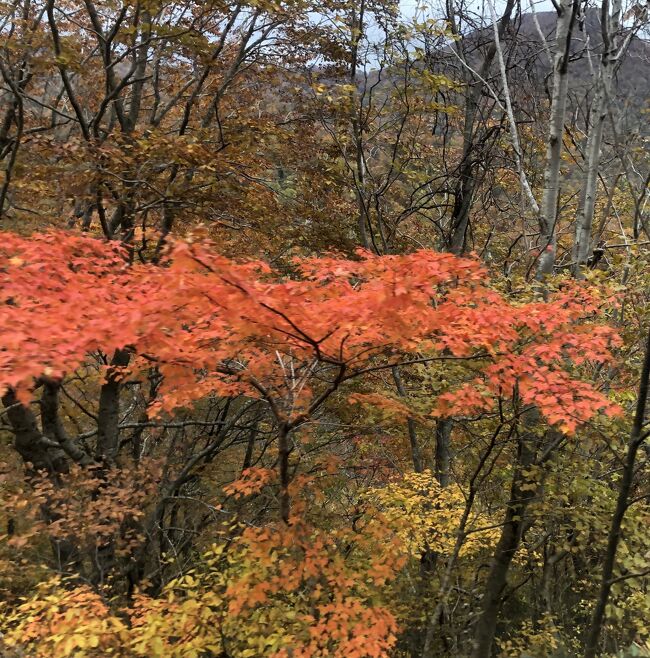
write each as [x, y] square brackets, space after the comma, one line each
[409, 6]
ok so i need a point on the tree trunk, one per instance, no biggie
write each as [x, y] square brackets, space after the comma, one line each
[610, 27]
[108, 415]
[443, 450]
[284, 449]
[108, 433]
[567, 12]
[40, 453]
[464, 192]
[637, 437]
[29, 441]
[521, 492]
[416, 454]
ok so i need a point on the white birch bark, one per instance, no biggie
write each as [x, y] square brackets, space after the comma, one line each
[540, 34]
[567, 11]
[514, 134]
[611, 27]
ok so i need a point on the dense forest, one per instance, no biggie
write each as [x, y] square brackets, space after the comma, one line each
[325, 329]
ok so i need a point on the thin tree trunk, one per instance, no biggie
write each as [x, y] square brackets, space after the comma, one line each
[443, 450]
[416, 454]
[637, 437]
[567, 12]
[250, 445]
[435, 621]
[521, 493]
[514, 133]
[284, 449]
[108, 432]
[363, 223]
[610, 27]
[464, 193]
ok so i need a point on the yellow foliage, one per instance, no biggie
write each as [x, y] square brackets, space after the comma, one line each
[59, 623]
[275, 592]
[427, 517]
[539, 640]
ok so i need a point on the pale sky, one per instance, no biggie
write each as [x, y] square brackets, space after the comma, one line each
[409, 6]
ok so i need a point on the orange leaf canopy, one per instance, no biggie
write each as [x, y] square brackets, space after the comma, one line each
[216, 325]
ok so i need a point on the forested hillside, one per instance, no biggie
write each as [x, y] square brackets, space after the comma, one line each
[325, 329]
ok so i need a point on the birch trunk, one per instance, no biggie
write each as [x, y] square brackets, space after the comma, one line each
[357, 28]
[514, 133]
[567, 12]
[610, 28]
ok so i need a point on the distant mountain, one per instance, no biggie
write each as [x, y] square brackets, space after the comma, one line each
[633, 75]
